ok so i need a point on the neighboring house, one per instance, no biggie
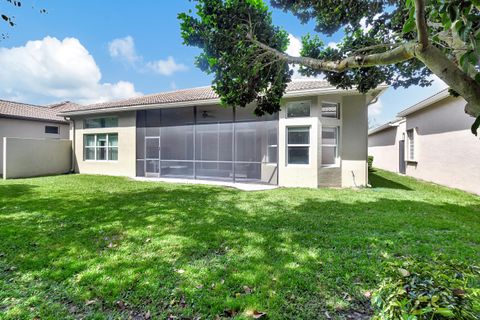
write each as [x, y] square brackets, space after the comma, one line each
[19, 120]
[432, 141]
[318, 139]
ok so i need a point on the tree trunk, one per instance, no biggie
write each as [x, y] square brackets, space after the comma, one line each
[458, 80]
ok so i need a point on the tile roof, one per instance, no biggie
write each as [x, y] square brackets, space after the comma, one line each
[10, 109]
[442, 94]
[190, 95]
[64, 106]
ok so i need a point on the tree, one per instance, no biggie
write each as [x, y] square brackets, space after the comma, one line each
[404, 43]
[8, 19]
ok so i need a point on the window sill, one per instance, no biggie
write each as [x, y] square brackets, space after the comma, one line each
[109, 161]
[411, 161]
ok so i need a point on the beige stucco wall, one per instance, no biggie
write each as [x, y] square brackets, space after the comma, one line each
[353, 114]
[446, 151]
[354, 141]
[352, 148]
[299, 175]
[16, 128]
[384, 147]
[25, 157]
[125, 165]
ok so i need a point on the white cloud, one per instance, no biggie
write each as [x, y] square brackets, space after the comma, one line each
[375, 109]
[166, 67]
[295, 46]
[332, 45]
[50, 70]
[124, 50]
[363, 23]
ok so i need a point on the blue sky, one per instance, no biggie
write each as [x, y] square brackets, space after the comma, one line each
[98, 50]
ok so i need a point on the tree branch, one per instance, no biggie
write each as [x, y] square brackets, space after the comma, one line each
[458, 80]
[421, 23]
[399, 54]
[378, 46]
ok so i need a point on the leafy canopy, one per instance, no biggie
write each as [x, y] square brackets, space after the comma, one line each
[385, 41]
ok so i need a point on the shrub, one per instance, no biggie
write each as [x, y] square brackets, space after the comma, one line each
[370, 162]
[415, 290]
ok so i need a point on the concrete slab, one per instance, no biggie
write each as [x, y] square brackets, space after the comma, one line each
[240, 186]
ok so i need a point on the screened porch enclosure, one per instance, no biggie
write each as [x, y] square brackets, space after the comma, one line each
[207, 142]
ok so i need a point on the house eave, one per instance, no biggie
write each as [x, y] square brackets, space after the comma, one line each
[33, 119]
[385, 126]
[439, 96]
[293, 94]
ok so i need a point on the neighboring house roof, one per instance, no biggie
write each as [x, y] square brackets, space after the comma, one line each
[200, 95]
[64, 106]
[17, 110]
[385, 126]
[443, 94]
[425, 103]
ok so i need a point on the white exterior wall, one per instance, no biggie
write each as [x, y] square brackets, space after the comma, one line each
[25, 157]
[447, 152]
[354, 141]
[384, 147]
[351, 169]
[125, 165]
[299, 175]
[16, 128]
[353, 114]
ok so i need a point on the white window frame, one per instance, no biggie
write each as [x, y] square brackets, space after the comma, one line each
[338, 117]
[98, 118]
[303, 101]
[410, 144]
[336, 146]
[289, 145]
[269, 146]
[95, 147]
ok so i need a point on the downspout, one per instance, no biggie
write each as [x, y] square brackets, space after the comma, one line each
[72, 167]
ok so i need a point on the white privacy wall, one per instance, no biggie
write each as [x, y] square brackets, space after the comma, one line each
[20, 128]
[24, 157]
[447, 152]
[385, 149]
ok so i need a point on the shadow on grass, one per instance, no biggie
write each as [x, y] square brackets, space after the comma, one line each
[10, 191]
[191, 250]
[378, 181]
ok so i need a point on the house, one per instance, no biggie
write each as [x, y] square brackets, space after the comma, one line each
[19, 120]
[318, 139]
[430, 140]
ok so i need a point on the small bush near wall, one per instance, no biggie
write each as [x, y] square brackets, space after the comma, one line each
[428, 290]
[370, 163]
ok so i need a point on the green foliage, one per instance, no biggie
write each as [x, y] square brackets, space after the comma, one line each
[462, 18]
[370, 163]
[98, 247]
[241, 73]
[244, 73]
[432, 289]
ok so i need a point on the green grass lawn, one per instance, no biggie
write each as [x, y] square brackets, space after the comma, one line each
[95, 247]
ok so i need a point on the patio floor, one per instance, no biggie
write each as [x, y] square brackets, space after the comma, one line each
[240, 186]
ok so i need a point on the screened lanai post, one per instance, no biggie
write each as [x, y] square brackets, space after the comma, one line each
[194, 138]
[233, 144]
